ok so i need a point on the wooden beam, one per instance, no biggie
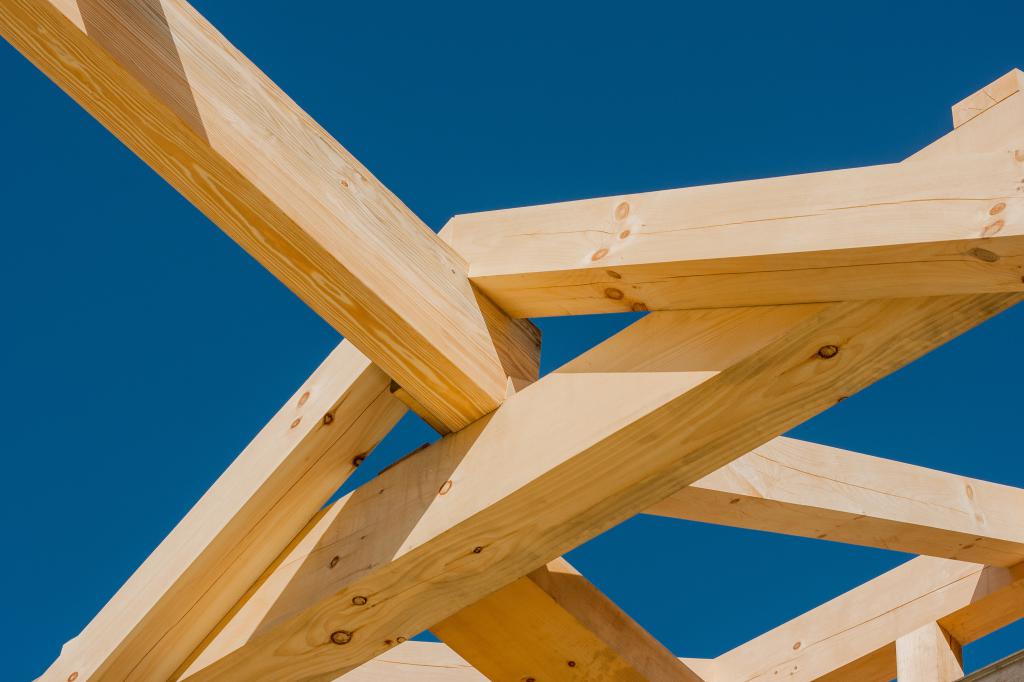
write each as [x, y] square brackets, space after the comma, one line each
[177, 93]
[928, 654]
[553, 624]
[986, 98]
[950, 221]
[416, 662]
[800, 488]
[434, 662]
[992, 126]
[852, 636]
[649, 411]
[237, 529]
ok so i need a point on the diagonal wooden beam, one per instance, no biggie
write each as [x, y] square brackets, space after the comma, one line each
[949, 222]
[237, 529]
[800, 488]
[177, 93]
[853, 636]
[553, 624]
[653, 409]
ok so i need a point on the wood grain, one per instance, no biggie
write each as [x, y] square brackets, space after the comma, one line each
[649, 411]
[942, 225]
[553, 624]
[800, 488]
[851, 637]
[237, 529]
[176, 92]
[928, 654]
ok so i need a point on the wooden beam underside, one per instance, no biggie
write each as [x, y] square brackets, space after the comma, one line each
[554, 625]
[799, 488]
[777, 298]
[853, 636]
[668, 382]
[176, 92]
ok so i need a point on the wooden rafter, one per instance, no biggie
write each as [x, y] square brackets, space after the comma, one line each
[800, 488]
[249, 515]
[669, 391]
[173, 89]
[255, 584]
[554, 625]
[911, 229]
[853, 637]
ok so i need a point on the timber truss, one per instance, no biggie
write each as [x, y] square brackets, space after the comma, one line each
[769, 301]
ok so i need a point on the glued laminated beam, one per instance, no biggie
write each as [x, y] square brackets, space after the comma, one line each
[815, 491]
[651, 410]
[853, 636]
[237, 529]
[553, 624]
[177, 93]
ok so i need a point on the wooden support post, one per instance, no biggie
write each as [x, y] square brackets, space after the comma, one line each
[682, 393]
[928, 654]
[176, 92]
[237, 529]
[554, 625]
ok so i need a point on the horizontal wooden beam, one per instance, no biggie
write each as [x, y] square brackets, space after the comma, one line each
[852, 637]
[176, 92]
[553, 624]
[237, 529]
[800, 488]
[949, 221]
[651, 410]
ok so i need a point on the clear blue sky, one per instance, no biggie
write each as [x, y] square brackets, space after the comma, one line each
[141, 349]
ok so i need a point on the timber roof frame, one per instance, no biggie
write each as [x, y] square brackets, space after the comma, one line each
[770, 301]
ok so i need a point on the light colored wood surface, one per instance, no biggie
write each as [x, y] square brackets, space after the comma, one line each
[852, 635]
[920, 229]
[176, 92]
[928, 654]
[800, 488]
[656, 407]
[237, 529]
[553, 624]
[415, 662]
[986, 98]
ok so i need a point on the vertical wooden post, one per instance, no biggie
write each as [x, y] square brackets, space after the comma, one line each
[928, 654]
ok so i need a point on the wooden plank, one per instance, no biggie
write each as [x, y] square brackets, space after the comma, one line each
[930, 227]
[851, 637]
[177, 93]
[553, 624]
[800, 488]
[1009, 669]
[416, 662]
[928, 654]
[649, 411]
[986, 98]
[237, 529]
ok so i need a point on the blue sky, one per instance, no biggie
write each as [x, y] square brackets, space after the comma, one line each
[141, 349]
